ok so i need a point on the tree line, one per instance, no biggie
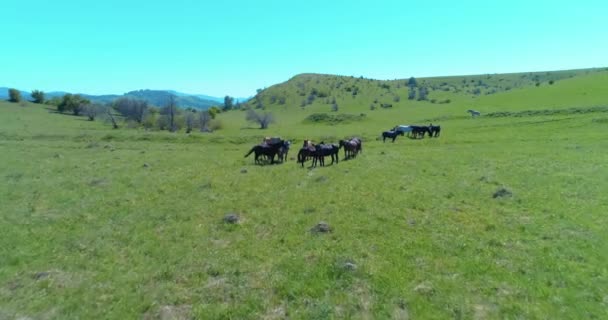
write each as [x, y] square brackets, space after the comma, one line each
[134, 112]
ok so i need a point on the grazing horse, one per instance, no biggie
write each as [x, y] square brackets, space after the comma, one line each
[269, 151]
[474, 113]
[434, 130]
[391, 134]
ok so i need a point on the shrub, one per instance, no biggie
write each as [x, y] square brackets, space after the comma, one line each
[334, 119]
[38, 96]
[14, 95]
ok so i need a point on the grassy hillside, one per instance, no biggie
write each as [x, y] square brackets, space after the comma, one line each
[318, 92]
[128, 224]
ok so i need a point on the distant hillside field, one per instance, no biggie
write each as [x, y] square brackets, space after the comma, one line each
[502, 216]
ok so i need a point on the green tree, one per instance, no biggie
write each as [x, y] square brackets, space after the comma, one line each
[14, 95]
[38, 96]
[228, 102]
[412, 82]
[74, 103]
[213, 111]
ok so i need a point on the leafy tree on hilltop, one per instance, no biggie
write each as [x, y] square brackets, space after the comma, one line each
[14, 95]
[228, 102]
[412, 82]
[38, 96]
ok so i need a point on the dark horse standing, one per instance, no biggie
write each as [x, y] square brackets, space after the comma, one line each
[434, 130]
[391, 134]
[420, 131]
[351, 147]
[318, 153]
[324, 150]
[268, 150]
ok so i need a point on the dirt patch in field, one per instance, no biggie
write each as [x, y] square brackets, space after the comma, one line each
[182, 312]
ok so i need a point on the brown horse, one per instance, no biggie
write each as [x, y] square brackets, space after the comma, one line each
[351, 147]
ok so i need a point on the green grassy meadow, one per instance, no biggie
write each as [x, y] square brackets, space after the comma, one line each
[128, 224]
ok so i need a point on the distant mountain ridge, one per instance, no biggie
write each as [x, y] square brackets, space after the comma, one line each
[153, 97]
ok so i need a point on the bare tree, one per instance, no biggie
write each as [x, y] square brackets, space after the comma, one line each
[190, 120]
[92, 111]
[263, 119]
[132, 109]
[170, 112]
[111, 118]
[204, 118]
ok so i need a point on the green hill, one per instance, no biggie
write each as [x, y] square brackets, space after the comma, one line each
[318, 92]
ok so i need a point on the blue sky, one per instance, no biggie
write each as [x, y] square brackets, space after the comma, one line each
[235, 47]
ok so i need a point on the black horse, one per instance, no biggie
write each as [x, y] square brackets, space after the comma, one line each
[268, 150]
[318, 152]
[392, 134]
[323, 150]
[283, 150]
[434, 131]
[419, 131]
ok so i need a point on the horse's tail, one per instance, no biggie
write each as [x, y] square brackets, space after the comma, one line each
[251, 151]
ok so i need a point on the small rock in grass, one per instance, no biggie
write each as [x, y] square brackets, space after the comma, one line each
[309, 210]
[321, 179]
[243, 170]
[231, 218]
[424, 288]
[146, 165]
[502, 193]
[321, 227]
[41, 275]
[350, 266]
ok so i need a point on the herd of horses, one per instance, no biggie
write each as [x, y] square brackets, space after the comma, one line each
[271, 147]
[414, 132]
[277, 147]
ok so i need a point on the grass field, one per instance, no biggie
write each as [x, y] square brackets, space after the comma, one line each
[127, 224]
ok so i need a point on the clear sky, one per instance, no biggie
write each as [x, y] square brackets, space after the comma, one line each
[236, 46]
